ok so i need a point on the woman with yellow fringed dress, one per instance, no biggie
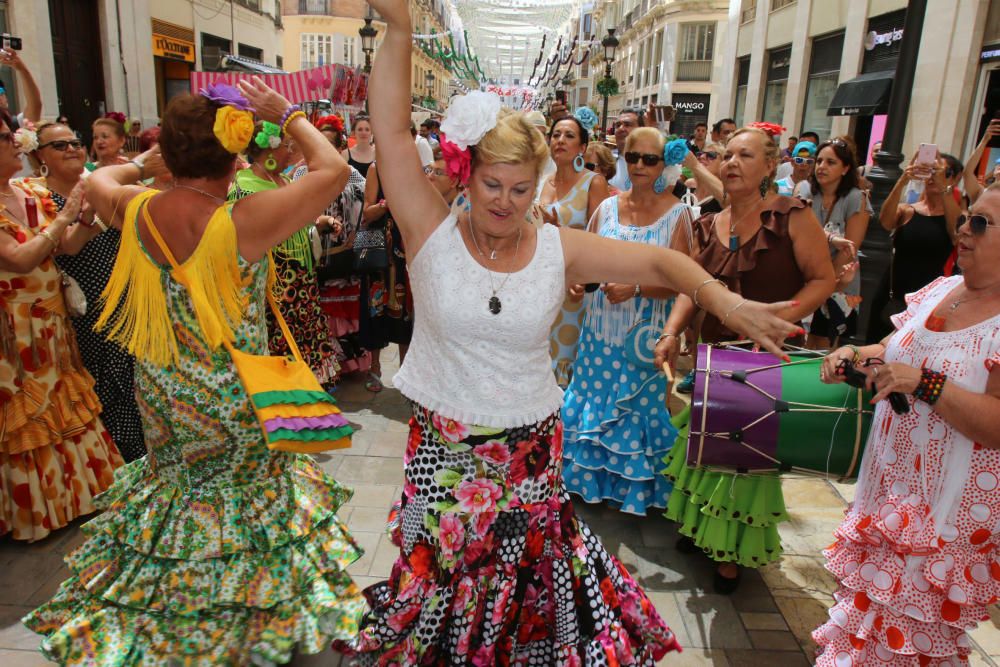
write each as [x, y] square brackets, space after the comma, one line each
[270, 153]
[213, 549]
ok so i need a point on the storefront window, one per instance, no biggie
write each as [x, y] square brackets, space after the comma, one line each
[741, 103]
[742, 79]
[824, 75]
[778, 63]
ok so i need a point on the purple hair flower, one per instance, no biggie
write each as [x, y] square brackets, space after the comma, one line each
[225, 95]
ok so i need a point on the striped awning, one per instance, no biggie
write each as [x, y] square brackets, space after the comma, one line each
[330, 82]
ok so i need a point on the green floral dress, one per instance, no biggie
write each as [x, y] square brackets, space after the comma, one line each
[213, 550]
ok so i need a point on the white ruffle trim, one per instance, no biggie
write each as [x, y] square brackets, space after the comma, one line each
[470, 417]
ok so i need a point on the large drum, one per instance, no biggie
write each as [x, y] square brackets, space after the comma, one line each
[753, 413]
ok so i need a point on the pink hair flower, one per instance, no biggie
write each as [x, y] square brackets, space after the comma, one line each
[458, 161]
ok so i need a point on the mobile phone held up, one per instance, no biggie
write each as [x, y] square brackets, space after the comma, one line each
[9, 42]
[926, 158]
[561, 97]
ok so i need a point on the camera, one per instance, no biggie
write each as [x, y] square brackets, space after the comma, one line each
[9, 42]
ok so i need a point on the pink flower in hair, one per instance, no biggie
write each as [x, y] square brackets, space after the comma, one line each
[457, 161]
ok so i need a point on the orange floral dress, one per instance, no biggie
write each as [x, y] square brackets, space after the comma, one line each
[55, 454]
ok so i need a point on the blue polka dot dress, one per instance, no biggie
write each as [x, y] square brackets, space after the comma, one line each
[617, 429]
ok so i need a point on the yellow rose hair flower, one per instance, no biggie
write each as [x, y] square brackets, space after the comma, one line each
[233, 128]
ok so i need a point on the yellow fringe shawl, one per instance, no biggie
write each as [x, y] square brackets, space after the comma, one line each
[142, 324]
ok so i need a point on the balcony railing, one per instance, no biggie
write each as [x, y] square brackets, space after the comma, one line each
[748, 14]
[694, 70]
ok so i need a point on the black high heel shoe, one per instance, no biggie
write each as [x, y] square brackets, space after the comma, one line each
[726, 585]
[686, 545]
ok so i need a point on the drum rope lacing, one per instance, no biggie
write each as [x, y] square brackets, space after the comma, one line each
[787, 406]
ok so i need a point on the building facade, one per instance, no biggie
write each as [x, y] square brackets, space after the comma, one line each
[94, 56]
[828, 65]
[669, 53]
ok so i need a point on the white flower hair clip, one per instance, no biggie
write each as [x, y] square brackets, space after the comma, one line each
[470, 117]
[26, 140]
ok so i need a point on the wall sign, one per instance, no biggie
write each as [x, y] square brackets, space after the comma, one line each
[173, 48]
[874, 39]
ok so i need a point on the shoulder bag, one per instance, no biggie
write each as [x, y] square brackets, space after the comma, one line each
[294, 412]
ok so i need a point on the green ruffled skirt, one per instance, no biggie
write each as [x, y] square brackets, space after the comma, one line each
[230, 576]
[733, 518]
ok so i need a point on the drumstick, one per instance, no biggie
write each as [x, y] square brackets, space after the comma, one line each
[669, 373]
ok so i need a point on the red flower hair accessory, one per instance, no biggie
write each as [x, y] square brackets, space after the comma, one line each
[116, 116]
[333, 121]
[772, 129]
[457, 160]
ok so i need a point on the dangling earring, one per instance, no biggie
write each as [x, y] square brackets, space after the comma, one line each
[270, 163]
[43, 171]
[660, 184]
[578, 163]
[765, 187]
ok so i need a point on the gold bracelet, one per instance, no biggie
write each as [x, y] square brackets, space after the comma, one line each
[694, 296]
[291, 117]
[47, 233]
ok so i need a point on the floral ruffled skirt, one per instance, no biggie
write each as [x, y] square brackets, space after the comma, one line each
[226, 576]
[494, 566]
[732, 518]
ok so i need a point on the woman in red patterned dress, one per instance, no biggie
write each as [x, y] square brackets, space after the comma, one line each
[916, 555]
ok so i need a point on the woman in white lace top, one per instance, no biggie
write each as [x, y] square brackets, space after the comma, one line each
[494, 567]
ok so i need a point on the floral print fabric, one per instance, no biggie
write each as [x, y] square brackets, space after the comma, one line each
[213, 550]
[55, 455]
[494, 566]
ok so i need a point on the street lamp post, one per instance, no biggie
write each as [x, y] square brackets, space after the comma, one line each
[368, 33]
[610, 43]
[429, 80]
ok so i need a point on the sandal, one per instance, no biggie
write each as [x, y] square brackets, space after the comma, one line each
[373, 383]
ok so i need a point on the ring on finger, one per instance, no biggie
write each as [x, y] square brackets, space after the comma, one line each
[875, 372]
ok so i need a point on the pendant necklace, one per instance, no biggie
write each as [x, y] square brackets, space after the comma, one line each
[494, 303]
[959, 302]
[734, 237]
[200, 191]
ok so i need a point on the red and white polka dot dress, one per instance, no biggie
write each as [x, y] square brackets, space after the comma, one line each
[916, 555]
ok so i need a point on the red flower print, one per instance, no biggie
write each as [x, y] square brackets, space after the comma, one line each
[451, 430]
[531, 458]
[401, 619]
[452, 535]
[494, 452]
[478, 495]
[421, 560]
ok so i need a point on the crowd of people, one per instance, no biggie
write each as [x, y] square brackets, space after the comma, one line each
[541, 285]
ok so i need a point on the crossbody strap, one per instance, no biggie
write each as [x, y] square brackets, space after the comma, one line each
[182, 279]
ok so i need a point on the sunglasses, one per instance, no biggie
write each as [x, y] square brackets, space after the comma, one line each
[589, 166]
[978, 224]
[62, 144]
[435, 171]
[711, 155]
[648, 159]
[804, 160]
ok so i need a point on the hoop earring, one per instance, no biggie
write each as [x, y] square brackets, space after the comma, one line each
[270, 163]
[765, 187]
[660, 184]
[43, 171]
[578, 163]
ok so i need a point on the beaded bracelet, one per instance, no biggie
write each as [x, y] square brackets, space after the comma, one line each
[930, 386]
[290, 113]
[694, 296]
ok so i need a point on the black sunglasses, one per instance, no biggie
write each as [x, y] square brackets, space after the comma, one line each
[978, 224]
[711, 155]
[648, 159]
[589, 166]
[62, 145]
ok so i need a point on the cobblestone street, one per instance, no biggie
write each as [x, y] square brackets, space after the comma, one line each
[766, 622]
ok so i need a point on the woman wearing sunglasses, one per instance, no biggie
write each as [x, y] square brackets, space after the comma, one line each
[923, 236]
[768, 248]
[569, 198]
[616, 430]
[916, 548]
[59, 162]
[55, 454]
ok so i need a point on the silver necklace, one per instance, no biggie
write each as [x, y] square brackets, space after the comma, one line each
[200, 191]
[959, 302]
[494, 304]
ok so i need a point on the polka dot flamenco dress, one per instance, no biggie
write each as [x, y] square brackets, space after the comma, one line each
[617, 429]
[916, 555]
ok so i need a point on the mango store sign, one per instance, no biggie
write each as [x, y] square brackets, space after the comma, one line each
[874, 39]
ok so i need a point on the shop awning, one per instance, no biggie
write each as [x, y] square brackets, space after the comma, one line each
[866, 95]
[244, 64]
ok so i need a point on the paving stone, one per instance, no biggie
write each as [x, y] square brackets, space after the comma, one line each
[799, 576]
[803, 615]
[13, 634]
[986, 636]
[808, 531]
[695, 657]
[774, 640]
[758, 621]
[757, 658]
[371, 470]
[12, 658]
[23, 570]
[369, 543]
[385, 557]
[809, 492]
[368, 519]
[712, 622]
[670, 611]
[381, 496]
